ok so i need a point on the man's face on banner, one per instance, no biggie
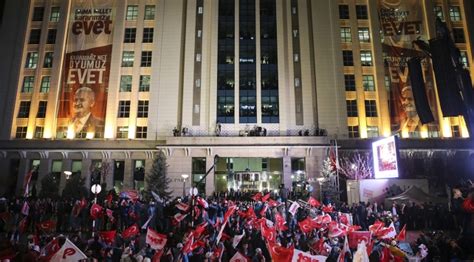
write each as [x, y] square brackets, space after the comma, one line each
[83, 102]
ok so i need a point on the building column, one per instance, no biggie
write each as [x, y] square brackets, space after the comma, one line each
[128, 174]
[210, 186]
[44, 170]
[287, 172]
[108, 177]
[22, 171]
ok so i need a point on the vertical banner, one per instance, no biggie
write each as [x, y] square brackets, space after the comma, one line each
[401, 22]
[85, 78]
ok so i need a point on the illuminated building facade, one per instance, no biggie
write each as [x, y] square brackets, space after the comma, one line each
[264, 84]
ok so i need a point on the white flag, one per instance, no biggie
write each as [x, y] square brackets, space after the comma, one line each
[391, 233]
[293, 208]
[68, 252]
[236, 239]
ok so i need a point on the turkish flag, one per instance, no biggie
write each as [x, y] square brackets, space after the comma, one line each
[238, 257]
[376, 226]
[335, 230]
[178, 217]
[110, 215]
[266, 197]
[257, 197]
[188, 245]
[131, 231]
[313, 202]
[328, 209]
[264, 210]
[200, 229]
[402, 234]
[182, 206]
[201, 201]
[324, 219]
[96, 211]
[357, 236]
[108, 236]
[279, 253]
[47, 225]
[280, 222]
[156, 240]
[306, 225]
[229, 212]
[272, 203]
[268, 233]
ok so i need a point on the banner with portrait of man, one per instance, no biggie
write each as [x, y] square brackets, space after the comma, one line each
[401, 23]
[86, 69]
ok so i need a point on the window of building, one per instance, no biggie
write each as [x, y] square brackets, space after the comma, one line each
[149, 12]
[297, 82]
[21, 132]
[198, 57]
[124, 109]
[366, 58]
[463, 58]
[148, 35]
[352, 108]
[130, 35]
[142, 108]
[455, 13]
[132, 13]
[346, 35]
[141, 132]
[119, 170]
[198, 82]
[24, 110]
[368, 82]
[51, 39]
[296, 58]
[35, 35]
[144, 83]
[48, 60]
[146, 59]
[127, 58]
[458, 35]
[455, 131]
[200, 10]
[199, 33]
[126, 83]
[438, 11]
[364, 34]
[139, 175]
[38, 13]
[347, 58]
[353, 131]
[370, 108]
[122, 132]
[372, 131]
[28, 84]
[45, 84]
[293, 10]
[56, 170]
[54, 16]
[361, 12]
[39, 130]
[42, 109]
[343, 12]
[349, 83]
[31, 60]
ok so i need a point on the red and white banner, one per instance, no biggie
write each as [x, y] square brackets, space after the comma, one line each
[182, 206]
[68, 252]
[156, 240]
[86, 68]
[279, 253]
[238, 257]
[300, 256]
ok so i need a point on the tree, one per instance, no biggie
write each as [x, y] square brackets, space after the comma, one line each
[329, 181]
[49, 186]
[75, 187]
[357, 166]
[156, 179]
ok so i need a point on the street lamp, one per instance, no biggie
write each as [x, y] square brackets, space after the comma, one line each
[184, 176]
[95, 189]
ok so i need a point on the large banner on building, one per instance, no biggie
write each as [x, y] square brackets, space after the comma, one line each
[86, 69]
[402, 22]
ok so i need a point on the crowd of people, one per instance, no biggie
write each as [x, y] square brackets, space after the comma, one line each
[227, 227]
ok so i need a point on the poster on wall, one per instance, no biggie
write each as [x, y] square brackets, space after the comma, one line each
[86, 69]
[385, 155]
[401, 22]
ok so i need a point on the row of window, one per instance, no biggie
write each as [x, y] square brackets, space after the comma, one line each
[126, 83]
[32, 60]
[370, 108]
[128, 58]
[362, 32]
[130, 35]
[454, 13]
[131, 14]
[365, 58]
[35, 36]
[368, 82]
[124, 109]
[122, 132]
[372, 131]
[24, 110]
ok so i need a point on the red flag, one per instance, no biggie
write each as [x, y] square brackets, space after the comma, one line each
[313, 202]
[402, 234]
[47, 225]
[272, 203]
[110, 215]
[218, 252]
[229, 212]
[26, 183]
[96, 211]
[376, 226]
[358, 236]
[264, 210]
[266, 197]
[131, 231]
[200, 229]
[178, 217]
[279, 253]
[202, 202]
[268, 233]
[182, 206]
[238, 257]
[157, 256]
[468, 205]
[280, 222]
[49, 250]
[188, 245]
[257, 197]
[335, 230]
[108, 236]
[328, 209]
[156, 240]
[306, 225]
